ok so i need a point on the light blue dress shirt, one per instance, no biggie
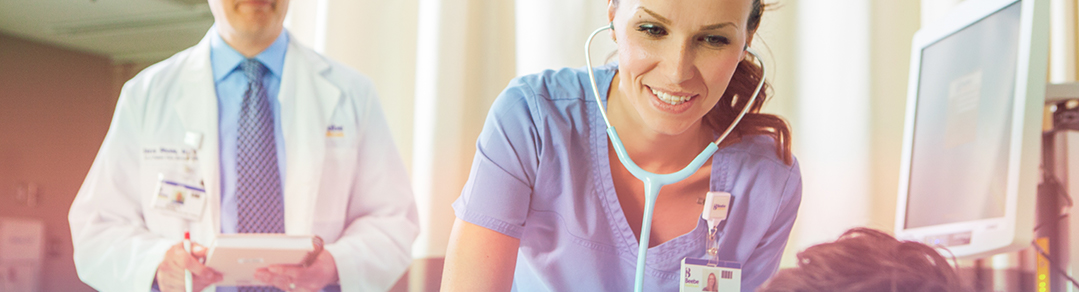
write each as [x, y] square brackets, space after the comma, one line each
[231, 83]
[542, 174]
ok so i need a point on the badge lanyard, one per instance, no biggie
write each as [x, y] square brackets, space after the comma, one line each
[716, 206]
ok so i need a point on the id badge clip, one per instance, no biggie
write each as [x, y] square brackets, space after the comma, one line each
[179, 200]
[716, 205]
[705, 275]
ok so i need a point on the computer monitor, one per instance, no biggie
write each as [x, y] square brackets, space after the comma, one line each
[972, 139]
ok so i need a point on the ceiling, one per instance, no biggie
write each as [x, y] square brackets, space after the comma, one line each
[124, 30]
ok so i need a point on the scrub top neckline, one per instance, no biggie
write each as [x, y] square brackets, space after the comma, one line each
[671, 250]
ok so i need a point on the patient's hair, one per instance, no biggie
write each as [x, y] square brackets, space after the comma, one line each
[864, 259]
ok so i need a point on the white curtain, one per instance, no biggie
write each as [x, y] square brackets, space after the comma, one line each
[551, 34]
[437, 65]
[377, 38]
[465, 59]
[1063, 32]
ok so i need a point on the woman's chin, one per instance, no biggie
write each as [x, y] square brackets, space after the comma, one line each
[663, 127]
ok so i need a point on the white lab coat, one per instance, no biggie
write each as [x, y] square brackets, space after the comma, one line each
[347, 185]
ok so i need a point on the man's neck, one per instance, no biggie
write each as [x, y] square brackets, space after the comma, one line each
[249, 45]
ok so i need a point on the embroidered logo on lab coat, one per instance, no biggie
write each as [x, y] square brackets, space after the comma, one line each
[335, 131]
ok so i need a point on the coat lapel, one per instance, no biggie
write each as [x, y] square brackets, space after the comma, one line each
[196, 104]
[307, 102]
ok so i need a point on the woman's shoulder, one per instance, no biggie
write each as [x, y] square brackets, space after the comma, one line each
[753, 161]
[760, 151]
[562, 84]
[548, 93]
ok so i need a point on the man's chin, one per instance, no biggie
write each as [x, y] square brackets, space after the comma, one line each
[268, 6]
[256, 26]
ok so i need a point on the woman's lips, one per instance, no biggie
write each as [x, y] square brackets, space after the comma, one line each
[672, 102]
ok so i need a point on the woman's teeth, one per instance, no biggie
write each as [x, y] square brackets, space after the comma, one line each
[670, 99]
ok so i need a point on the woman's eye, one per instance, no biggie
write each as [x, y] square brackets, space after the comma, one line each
[652, 30]
[716, 40]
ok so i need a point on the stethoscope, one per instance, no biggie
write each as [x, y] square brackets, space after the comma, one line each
[653, 181]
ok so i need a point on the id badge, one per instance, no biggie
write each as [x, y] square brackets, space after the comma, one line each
[179, 200]
[705, 275]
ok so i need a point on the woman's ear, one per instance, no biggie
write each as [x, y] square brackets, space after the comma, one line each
[610, 10]
[611, 7]
[749, 42]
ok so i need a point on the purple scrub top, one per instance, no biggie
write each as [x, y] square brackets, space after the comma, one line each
[541, 174]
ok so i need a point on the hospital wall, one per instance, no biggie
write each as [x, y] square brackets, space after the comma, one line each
[55, 107]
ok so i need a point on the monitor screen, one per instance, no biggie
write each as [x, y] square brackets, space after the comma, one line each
[962, 124]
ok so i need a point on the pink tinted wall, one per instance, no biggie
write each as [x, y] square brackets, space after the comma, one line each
[55, 107]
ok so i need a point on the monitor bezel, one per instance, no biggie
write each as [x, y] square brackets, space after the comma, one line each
[1014, 231]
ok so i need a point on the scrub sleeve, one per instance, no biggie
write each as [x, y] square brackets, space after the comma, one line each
[500, 183]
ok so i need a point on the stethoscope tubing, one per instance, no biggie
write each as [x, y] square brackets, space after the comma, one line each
[653, 182]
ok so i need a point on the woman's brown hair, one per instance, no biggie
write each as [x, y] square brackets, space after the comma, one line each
[739, 90]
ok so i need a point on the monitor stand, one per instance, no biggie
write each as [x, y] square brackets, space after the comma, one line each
[1057, 216]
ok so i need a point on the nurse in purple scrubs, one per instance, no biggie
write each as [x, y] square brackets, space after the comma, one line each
[549, 207]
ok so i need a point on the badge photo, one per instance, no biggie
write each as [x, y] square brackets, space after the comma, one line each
[713, 276]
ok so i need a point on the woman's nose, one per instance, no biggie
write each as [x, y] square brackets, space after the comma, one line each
[678, 63]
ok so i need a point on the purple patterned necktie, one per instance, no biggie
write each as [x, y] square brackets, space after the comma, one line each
[260, 202]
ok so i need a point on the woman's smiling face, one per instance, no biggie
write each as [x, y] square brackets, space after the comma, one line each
[677, 57]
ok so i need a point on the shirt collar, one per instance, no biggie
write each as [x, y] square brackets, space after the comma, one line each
[224, 59]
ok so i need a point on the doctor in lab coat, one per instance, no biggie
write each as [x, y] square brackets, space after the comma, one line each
[344, 180]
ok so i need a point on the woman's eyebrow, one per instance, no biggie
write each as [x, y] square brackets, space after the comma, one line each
[666, 21]
[719, 25]
[661, 19]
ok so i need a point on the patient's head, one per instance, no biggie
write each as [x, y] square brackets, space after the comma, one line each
[864, 259]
